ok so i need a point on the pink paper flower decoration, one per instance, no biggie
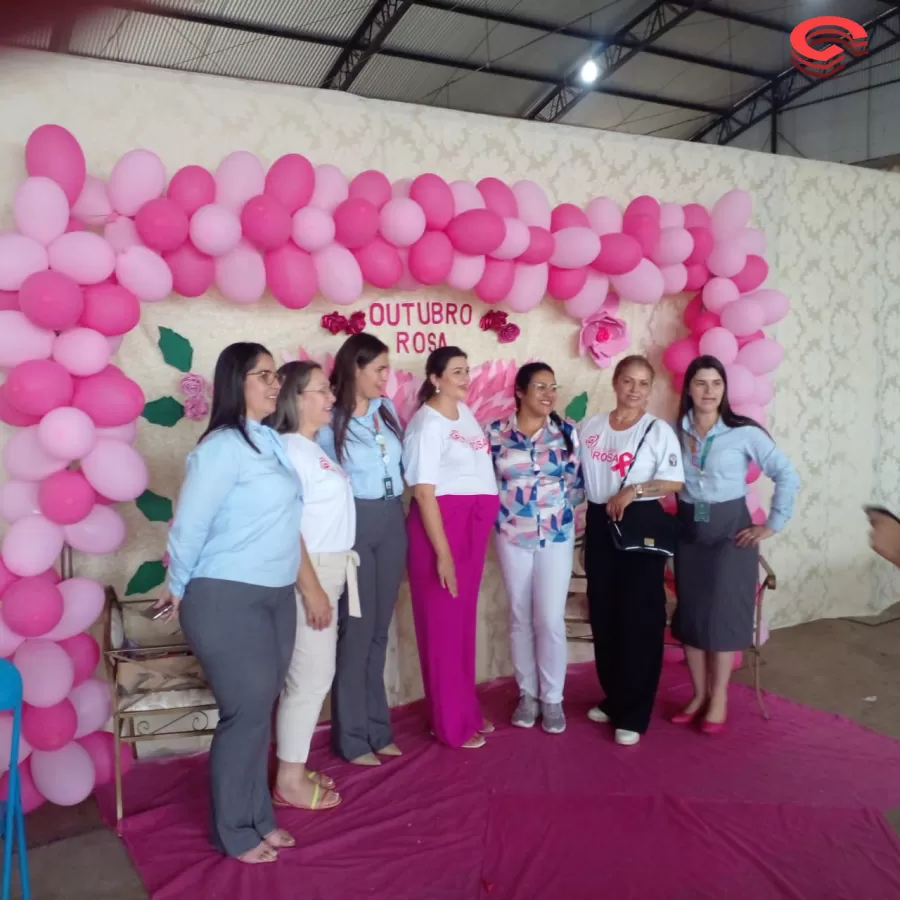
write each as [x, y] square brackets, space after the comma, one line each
[193, 385]
[196, 408]
[325, 360]
[604, 336]
[491, 390]
[402, 390]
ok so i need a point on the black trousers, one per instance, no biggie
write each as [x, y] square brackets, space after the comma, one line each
[627, 606]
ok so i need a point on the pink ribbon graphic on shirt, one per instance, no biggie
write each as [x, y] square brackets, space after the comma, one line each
[623, 464]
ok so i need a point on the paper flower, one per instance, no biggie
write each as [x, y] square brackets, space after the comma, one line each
[357, 323]
[492, 320]
[196, 408]
[193, 385]
[603, 336]
[491, 390]
[335, 323]
[508, 333]
[402, 390]
[325, 360]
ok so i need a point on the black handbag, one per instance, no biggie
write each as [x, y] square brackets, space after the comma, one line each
[632, 537]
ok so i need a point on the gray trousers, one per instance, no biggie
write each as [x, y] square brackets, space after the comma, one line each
[243, 637]
[360, 717]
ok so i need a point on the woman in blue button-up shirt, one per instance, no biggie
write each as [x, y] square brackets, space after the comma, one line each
[717, 560]
[234, 556]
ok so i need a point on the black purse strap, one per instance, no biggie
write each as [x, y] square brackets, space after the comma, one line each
[638, 450]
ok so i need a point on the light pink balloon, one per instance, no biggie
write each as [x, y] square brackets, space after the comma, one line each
[67, 433]
[138, 177]
[674, 279]
[605, 216]
[741, 384]
[101, 531]
[338, 272]
[31, 546]
[215, 229]
[145, 273]
[590, 298]
[93, 206]
[763, 390]
[675, 246]
[82, 351]
[643, 284]
[53, 151]
[331, 190]
[83, 602]
[721, 343]
[516, 242]
[20, 256]
[312, 229]
[730, 214]
[671, 215]
[534, 207]
[407, 282]
[116, 470]
[126, 432]
[83, 256]
[18, 499]
[41, 209]
[114, 341]
[9, 643]
[92, 705]
[241, 274]
[21, 340]
[752, 411]
[64, 777]
[751, 240]
[25, 458]
[774, 305]
[402, 222]
[121, 233]
[466, 271]
[726, 260]
[466, 196]
[6, 732]
[528, 287]
[761, 357]
[575, 247]
[239, 177]
[719, 293]
[743, 317]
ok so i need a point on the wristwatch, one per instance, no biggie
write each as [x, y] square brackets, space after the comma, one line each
[638, 491]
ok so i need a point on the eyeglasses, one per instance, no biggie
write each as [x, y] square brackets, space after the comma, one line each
[266, 376]
[325, 392]
[541, 388]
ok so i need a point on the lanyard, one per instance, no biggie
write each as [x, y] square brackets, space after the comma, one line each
[705, 452]
[381, 442]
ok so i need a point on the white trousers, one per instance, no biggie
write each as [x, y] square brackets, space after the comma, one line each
[537, 584]
[312, 665]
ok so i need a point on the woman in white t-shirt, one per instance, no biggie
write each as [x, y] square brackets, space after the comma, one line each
[630, 459]
[447, 462]
[328, 531]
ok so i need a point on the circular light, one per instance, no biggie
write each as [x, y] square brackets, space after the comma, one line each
[590, 71]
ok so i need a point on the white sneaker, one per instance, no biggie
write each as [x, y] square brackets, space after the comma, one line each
[627, 738]
[595, 714]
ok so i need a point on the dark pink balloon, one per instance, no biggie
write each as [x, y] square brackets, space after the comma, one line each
[356, 223]
[291, 276]
[65, 497]
[644, 229]
[31, 796]
[498, 197]
[680, 354]
[266, 222]
[754, 273]
[84, 652]
[50, 575]
[430, 258]
[75, 225]
[100, 745]
[110, 309]
[568, 215]
[51, 727]
[703, 245]
[191, 188]
[193, 272]
[643, 206]
[753, 472]
[704, 322]
[51, 300]
[53, 152]
[692, 311]
[433, 194]
[696, 216]
[162, 224]
[698, 275]
[291, 180]
[373, 186]
[32, 607]
[380, 263]
[619, 254]
[750, 338]
[110, 398]
[37, 386]
[476, 232]
[540, 247]
[497, 280]
[13, 416]
[564, 284]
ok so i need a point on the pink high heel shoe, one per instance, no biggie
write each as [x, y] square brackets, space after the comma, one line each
[712, 728]
[686, 718]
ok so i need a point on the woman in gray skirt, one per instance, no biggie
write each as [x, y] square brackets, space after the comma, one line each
[717, 560]
[365, 439]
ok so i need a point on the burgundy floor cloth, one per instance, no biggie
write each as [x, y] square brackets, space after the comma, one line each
[786, 809]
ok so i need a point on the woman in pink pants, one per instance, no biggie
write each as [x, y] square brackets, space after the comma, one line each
[447, 462]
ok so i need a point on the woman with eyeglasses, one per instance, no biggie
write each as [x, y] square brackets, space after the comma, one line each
[234, 557]
[536, 460]
[447, 461]
[328, 530]
[364, 438]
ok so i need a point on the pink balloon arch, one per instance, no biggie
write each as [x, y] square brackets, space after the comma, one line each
[87, 252]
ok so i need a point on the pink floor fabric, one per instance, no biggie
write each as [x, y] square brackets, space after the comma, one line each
[432, 823]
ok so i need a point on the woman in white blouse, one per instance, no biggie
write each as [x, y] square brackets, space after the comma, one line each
[447, 462]
[629, 460]
[328, 531]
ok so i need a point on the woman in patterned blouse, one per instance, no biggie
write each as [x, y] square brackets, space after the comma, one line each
[536, 459]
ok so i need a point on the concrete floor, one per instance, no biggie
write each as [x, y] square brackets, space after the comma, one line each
[850, 667]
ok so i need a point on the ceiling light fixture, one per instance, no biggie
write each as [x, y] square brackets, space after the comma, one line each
[590, 72]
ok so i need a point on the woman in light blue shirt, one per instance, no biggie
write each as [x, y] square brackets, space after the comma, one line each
[234, 556]
[717, 559]
[365, 439]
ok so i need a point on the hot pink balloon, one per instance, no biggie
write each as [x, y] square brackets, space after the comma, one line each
[41, 210]
[291, 180]
[241, 274]
[741, 384]
[93, 206]
[66, 497]
[66, 776]
[702, 247]
[604, 215]
[137, 178]
[20, 256]
[645, 230]
[6, 579]
[465, 197]
[575, 248]
[619, 253]
[380, 264]
[692, 311]
[101, 747]
[17, 500]
[215, 229]
[144, 273]
[696, 216]
[193, 272]
[239, 177]
[643, 284]
[355, 223]
[402, 222]
[37, 386]
[498, 197]
[476, 232]
[568, 215]
[25, 459]
[730, 214]
[24, 748]
[83, 602]
[698, 275]
[541, 245]
[754, 273]
[121, 233]
[162, 225]
[721, 343]
[704, 322]
[643, 206]
[67, 433]
[339, 275]
[100, 531]
[110, 309]
[674, 279]
[680, 354]
[331, 188]
[265, 222]
[763, 390]
[590, 298]
[51, 727]
[110, 398]
[406, 282]
[373, 186]
[497, 280]
[93, 704]
[516, 242]
[528, 287]
[675, 246]
[726, 260]
[83, 256]
[465, 272]
[53, 152]
[745, 339]
[719, 293]
[31, 797]
[116, 470]
[671, 215]
[31, 546]
[753, 472]
[312, 229]
[564, 284]
[291, 276]
[433, 194]
[191, 188]
[84, 651]
[532, 204]
[9, 300]
[32, 607]
[431, 258]
[743, 317]
[774, 305]
[761, 357]
[51, 300]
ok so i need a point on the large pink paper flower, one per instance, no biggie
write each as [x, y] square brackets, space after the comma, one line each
[491, 390]
[604, 336]
[325, 360]
[402, 389]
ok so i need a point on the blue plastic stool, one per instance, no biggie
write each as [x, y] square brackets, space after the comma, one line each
[13, 821]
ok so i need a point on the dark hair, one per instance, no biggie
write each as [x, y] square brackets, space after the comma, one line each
[726, 413]
[436, 365]
[634, 360]
[229, 405]
[355, 353]
[523, 381]
[294, 379]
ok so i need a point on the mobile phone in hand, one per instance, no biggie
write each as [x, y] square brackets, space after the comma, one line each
[153, 613]
[880, 511]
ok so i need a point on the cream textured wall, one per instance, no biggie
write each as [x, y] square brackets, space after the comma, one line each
[834, 249]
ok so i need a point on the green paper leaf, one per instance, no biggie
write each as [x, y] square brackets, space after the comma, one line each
[149, 575]
[577, 407]
[176, 350]
[155, 507]
[166, 411]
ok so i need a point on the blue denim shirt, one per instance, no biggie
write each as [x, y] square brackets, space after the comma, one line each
[238, 513]
[728, 459]
[362, 457]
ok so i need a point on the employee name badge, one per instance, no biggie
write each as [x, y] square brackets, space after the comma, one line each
[701, 512]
